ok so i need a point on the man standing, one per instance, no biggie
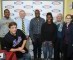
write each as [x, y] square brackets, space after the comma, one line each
[4, 24]
[35, 34]
[23, 24]
[15, 41]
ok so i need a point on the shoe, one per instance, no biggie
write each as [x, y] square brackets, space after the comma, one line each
[35, 59]
[51, 59]
[45, 59]
[39, 59]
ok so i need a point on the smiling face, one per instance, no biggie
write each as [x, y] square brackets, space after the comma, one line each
[37, 13]
[6, 13]
[59, 17]
[13, 28]
[68, 19]
[49, 18]
[22, 14]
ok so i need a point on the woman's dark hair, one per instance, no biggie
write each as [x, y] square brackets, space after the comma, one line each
[11, 24]
[49, 13]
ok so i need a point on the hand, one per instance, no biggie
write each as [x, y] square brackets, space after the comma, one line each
[33, 41]
[23, 51]
[27, 37]
[44, 42]
[13, 50]
[50, 43]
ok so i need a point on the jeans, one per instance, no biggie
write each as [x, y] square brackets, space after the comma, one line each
[47, 49]
[26, 56]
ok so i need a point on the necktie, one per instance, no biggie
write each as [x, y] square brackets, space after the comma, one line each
[23, 26]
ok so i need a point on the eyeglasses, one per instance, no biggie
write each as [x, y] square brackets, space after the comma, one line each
[68, 18]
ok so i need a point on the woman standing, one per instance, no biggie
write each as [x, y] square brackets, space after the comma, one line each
[68, 38]
[48, 34]
[59, 42]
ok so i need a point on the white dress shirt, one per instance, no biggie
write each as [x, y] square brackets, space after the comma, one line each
[26, 25]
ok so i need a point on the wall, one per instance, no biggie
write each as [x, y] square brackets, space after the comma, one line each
[0, 9]
[67, 7]
[43, 6]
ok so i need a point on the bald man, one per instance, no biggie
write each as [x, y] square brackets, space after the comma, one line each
[35, 34]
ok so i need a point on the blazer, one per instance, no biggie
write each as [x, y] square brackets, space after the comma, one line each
[70, 42]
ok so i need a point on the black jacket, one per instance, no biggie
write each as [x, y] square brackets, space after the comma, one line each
[70, 37]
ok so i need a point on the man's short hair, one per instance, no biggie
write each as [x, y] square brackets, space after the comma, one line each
[6, 10]
[11, 24]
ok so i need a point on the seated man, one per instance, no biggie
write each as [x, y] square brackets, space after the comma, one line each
[15, 41]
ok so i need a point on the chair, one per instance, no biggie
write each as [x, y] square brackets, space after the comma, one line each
[9, 55]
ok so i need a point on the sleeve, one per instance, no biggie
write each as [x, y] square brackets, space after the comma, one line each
[55, 34]
[0, 24]
[63, 28]
[23, 35]
[42, 33]
[43, 20]
[31, 30]
[27, 29]
[5, 44]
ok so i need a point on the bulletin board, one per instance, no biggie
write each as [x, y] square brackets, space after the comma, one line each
[29, 7]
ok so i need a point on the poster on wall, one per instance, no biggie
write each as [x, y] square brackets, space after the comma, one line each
[29, 7]
[55, 7]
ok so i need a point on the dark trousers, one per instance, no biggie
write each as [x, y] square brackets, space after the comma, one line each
[70, 58]
[65, 52]
[37, 46]
[58, 49]
[1, 43]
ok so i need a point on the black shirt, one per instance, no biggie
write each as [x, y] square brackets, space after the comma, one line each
[48, 32]
[67, 32]
[11, 41]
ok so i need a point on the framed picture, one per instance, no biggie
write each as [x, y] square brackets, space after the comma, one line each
[72, 5]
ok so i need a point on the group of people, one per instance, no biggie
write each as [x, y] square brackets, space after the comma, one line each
[53, 37]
